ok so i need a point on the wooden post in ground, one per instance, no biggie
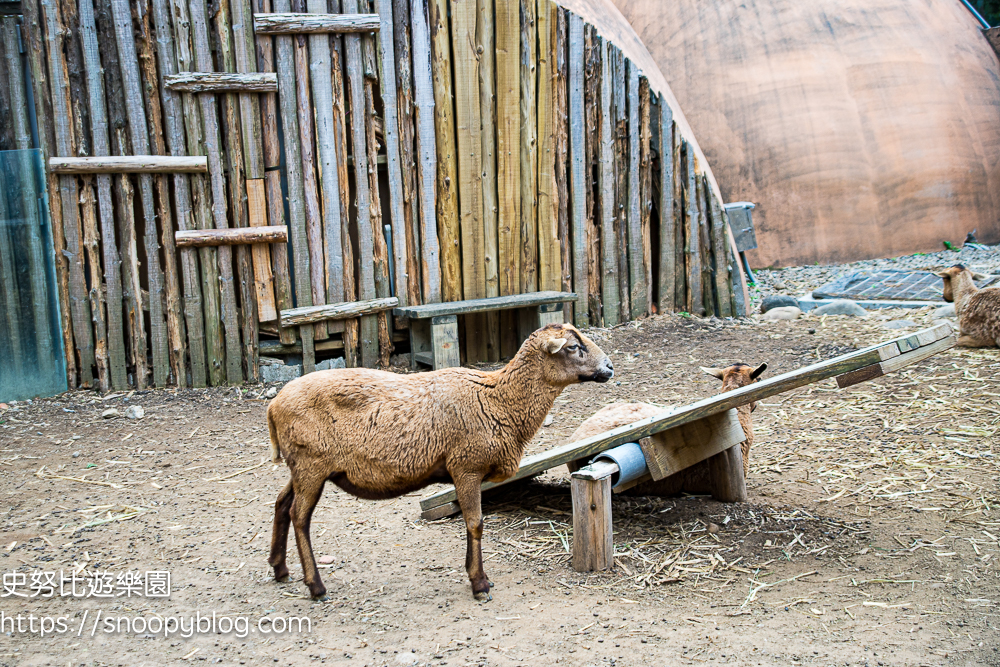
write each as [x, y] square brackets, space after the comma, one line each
[485, 47]
[579, 179]
[560, 104]
[592, 151]
[529, 148]
[606, 186]
[692, 247]
[665, 209]
[726, 471]
[508, 129]
[285, 65]
[593, 547]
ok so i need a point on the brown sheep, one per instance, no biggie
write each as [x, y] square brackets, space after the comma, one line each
[978, 310]
[380, 435]
[733, 377]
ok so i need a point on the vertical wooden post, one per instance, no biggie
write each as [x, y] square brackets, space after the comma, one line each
[272, 180]
[529, 147]
[692, 249]
[285, 66]
[606, 187]
[485, 47]
[560, 104]
[726, 473]
[468, 128]
[619, 87]
[593, 547]
[444, 342]
[637, 273]
[579, 181]
[213, 150]
[427, 162]
[508, 128]
[645, 195]
[447, 170]
[666, 207]
[72, 273]
[592, 105]
[705, 244]
[140, 145]
[720, 253]
[548, 201]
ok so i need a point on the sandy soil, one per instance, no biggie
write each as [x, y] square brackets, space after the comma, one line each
[870, 537]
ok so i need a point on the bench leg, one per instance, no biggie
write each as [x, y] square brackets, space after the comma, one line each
[530, 320]
[444, 341]
[549, 313]
[420, 343]
[726, 472]
[593, 548]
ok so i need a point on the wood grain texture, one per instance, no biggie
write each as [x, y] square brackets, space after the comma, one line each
[484, 305]
[638, 303]
[592, 51]
[336, 311]
[508, 152]
[468, 130]
[215, 82]
[726, 474]
[529, 148]
[720, 257]
[610, 275]
[447, 159]
[593, 547]
[692, 247]
[125, 164]
[713, 405]
[426, 151]
[486, 48]
[286, 23]
[619, 105]
[560, 108]
[549, 260]
[403, 65]
[271, 154]
[261, 253]
[579, 181]
[665, 208]
[668, 452]
[235, 236]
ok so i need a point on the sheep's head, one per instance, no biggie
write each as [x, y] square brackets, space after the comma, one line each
[569, 357]
[736, 376]
[952, 276]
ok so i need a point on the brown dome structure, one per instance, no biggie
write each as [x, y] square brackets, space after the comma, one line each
[860, 129]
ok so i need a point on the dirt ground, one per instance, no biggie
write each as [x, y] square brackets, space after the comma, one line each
[870, 537]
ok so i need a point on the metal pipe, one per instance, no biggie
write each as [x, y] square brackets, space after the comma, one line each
[979, 17]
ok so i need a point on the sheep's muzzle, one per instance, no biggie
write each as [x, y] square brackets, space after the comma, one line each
[603, 374]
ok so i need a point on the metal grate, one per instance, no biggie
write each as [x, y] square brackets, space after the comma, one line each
[889, 285]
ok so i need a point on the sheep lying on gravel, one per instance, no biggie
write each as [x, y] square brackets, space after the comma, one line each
[978, 310]
[734, 377]
[620, 414]
[380, 435]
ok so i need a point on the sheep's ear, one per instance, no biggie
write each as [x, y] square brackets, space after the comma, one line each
[942, 274]
[979, 276]
[553, 345]
[755, 373]
[714, 372]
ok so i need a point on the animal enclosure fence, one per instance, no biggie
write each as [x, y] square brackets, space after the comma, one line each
[214, 164]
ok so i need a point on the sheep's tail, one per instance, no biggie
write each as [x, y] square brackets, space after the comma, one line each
[275, 450]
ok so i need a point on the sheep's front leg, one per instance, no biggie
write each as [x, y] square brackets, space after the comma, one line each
[470, 500]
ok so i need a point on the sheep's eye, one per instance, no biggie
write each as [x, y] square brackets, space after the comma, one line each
[572, 348]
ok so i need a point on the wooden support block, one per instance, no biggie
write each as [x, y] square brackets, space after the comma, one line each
[550, 313]
[231, 236]
[726, 471]
[335, 311]
[214, 82]
[678, 448]
[593, 548]
[288, 23]
[444, 342]
[128, 164]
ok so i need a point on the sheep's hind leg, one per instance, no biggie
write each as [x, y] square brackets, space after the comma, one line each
[470, 500]
[279, 532]
[308, 490]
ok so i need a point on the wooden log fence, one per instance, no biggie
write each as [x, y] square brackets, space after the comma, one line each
[430, 151]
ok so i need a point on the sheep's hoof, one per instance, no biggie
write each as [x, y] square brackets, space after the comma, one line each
[322, 597]
[483, 596]
[282, 579]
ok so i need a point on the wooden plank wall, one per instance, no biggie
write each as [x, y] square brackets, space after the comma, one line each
[501, 148]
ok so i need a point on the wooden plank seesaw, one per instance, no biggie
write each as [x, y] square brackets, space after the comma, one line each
[680, 438]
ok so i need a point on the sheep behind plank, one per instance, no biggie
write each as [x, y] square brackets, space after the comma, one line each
[380, 435]
[978, 310]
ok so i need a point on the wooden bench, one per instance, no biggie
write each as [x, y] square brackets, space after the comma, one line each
[678, 439]
[434, 326]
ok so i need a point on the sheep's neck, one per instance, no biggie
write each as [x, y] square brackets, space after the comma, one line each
[526, 396]
[962, 288]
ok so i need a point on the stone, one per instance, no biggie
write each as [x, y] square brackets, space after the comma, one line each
[899, 324]
[841, 307]
[548, 420]
[135, 412]
[713, 528]
[945, 311]
[782, 313]
[271, 392]
[325, 560]
[76, 455]
[777, 301]
[276, 373]
[778, 285]
[110, 413]
[330, 364]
